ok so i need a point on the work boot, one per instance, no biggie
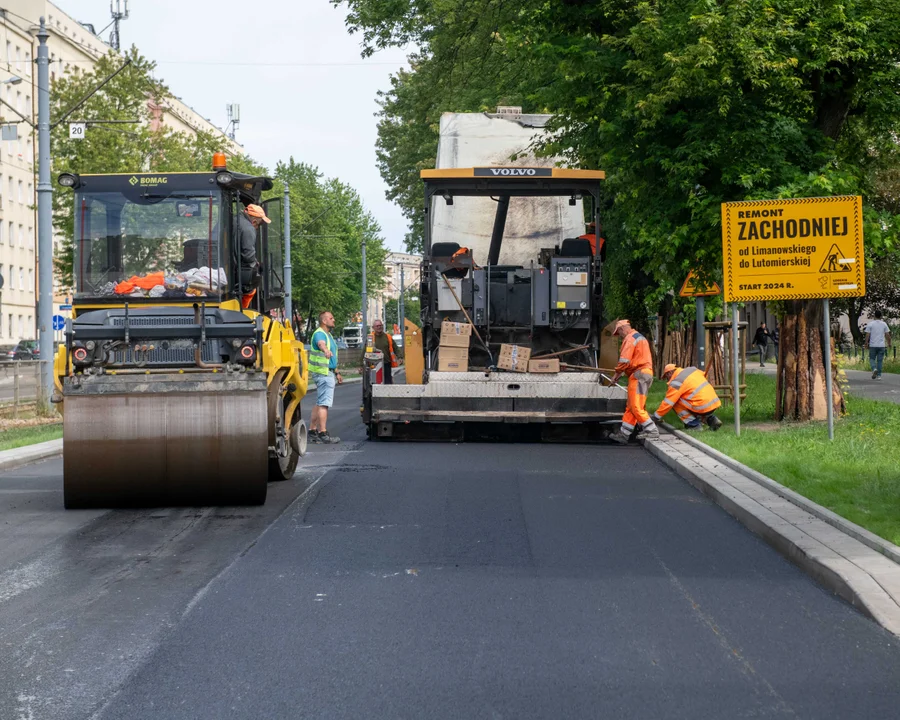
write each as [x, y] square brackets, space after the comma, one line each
[650, 431]
[327, 439]
[314, 436]
[619, 437]
[692, 425]
[874, 374]
[713, 422]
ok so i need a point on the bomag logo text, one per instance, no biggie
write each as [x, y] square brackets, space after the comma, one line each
[148, 180]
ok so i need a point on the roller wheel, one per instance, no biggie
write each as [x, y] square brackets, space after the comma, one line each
[284, 463]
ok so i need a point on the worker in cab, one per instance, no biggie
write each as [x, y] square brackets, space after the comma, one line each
[591, 237]
[384, 343]
[636, 363]
[694, 399]
[248, 226]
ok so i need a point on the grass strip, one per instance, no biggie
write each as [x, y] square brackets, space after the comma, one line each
[861, 362]
[16, 437]
[857, 475]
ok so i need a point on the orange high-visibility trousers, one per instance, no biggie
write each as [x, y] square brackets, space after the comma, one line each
[635, 407]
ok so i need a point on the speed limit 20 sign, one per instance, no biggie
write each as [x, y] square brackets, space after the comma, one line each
[76, 131]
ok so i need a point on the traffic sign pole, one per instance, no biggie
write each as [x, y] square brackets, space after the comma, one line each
[701, 334]
[828, 390]
[735, 370]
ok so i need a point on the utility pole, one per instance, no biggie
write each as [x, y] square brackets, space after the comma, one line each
[45, 221]
[400, 303]
[365, 298]
[288, 284]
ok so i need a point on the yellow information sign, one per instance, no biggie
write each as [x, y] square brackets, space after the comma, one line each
[793, 249]
[692, 288]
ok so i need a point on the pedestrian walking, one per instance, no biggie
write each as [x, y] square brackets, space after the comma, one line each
[761, 340]
[693, 398]
[323, 358]
[636, 362]
[385, 344]
[878, 340]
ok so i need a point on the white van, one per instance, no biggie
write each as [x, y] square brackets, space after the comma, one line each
[352, 335]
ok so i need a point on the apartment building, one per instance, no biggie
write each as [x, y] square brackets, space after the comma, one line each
[412, 268]
[71, 45]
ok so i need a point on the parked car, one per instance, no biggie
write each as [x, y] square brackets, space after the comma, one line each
[26, 350]
[7, 353]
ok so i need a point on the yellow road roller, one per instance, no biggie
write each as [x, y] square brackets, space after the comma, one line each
[180, 379]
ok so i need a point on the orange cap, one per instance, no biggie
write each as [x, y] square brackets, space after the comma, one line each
[257, 211]
[620, 324]
[669, 368]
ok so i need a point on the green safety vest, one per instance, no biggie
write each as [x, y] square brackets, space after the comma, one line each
[318, 363]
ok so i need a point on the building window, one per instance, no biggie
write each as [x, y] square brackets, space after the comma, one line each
[18, 58]
[1, 233]
[21, 326]
[29, 198]
[21, 278]
[31, 280]
[21, 192]
[9, 55]
[12, 330]
[31, 238]
[28, 63]
[19, 103]
[21, 236]
[12, 235]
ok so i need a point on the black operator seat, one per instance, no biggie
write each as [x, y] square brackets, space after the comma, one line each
[576, 247]
[446, 259]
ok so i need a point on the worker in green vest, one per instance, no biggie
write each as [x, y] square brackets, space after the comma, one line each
[323, 370]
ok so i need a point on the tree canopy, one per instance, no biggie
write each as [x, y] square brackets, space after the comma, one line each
[328, 218]
[685, 104]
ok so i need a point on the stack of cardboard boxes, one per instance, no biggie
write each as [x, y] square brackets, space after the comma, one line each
[453, 353]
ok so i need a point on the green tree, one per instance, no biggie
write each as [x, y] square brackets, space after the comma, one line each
[412, 308]
[691, 103]
[144, 146]
[328, 224]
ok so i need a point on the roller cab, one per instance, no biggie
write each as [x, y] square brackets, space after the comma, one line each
[179, 381]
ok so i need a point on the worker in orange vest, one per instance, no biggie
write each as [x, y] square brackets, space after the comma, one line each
[694, 399]
[591, 237]
[385, 343]
[636, 362]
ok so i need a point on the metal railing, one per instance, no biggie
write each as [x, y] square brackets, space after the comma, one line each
[19, 384]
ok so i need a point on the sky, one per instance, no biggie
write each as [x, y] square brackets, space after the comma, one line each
[291, 65]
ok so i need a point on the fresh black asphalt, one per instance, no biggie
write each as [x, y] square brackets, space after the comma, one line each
[446, 581]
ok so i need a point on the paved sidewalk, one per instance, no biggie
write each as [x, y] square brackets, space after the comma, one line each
[866, 578]
[861, 382]
[17, 457]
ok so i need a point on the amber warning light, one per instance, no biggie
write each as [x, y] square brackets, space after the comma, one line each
[218, 161]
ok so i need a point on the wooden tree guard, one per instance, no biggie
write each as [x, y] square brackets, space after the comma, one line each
[720, 361]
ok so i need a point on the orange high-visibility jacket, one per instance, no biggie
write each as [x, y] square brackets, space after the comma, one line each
[635, 354]
[690, 388]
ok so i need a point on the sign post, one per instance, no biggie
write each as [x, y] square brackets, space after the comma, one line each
[692, 287]
[795, 249]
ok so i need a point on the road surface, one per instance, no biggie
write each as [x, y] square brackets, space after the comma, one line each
[424, 581]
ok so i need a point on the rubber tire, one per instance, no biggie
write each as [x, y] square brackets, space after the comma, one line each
[280, 469]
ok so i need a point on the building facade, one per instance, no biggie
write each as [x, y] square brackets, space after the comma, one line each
[412, 269]
[71, 45]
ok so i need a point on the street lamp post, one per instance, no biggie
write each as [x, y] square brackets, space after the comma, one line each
[400, 307]
[45, 219]
[365, 299]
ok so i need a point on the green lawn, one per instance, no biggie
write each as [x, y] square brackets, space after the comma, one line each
[848, 362]
[857, 475]
[15, 437]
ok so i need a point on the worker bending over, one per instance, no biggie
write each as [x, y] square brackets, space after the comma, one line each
[694, 399]
[635, 361]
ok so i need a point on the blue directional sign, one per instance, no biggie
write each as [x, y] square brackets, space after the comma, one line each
[59, 322]
[65, 307]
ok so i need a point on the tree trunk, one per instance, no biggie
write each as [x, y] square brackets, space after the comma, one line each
[801, 386]
[802, 367]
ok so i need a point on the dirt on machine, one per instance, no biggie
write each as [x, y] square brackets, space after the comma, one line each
[513, 338]
[179, 380]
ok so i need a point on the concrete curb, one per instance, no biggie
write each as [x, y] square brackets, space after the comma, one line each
[866, 537]
[17, 457]
[866, 578]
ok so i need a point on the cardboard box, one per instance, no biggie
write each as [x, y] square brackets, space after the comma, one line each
[455, 334]
[453, 359]
[514, 357]
[547, 365]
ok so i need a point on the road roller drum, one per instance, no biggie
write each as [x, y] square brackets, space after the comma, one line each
[157, 440]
